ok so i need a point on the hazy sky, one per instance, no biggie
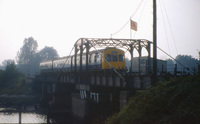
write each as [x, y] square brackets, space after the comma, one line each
[60, 23]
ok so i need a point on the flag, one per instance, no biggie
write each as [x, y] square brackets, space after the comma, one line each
[133, 25]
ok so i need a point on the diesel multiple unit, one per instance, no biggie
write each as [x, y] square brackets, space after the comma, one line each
[100, 59]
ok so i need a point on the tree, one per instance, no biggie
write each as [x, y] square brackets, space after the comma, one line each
[7, 62]
[28, 51]
[10, 66]
[10, 72]
[189, 64]
[47, 53]
[26, 56]
[170, 66]
[29, 58]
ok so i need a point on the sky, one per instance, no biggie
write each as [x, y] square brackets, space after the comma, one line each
[60, 23]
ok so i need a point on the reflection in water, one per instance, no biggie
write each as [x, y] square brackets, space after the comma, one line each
[25, 118]
[35, 115]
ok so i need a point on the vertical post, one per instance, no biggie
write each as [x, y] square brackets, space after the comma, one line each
[149, 56]
[75, 57]
[71, 63]
[20, 117]
[139, 51]
[131, 52]
[75, 63]
[130, 30]
[154, 44]
[81, 62]
[87, 52]
[52, 65]
[81, 54]
[97, 97]
[175, 70]
[20, 114]
[199, 69]
[48, 114]
[87, 67]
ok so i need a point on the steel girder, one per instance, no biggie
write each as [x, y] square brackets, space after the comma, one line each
[128, 44]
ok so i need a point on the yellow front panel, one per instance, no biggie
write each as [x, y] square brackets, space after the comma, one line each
[115, 64]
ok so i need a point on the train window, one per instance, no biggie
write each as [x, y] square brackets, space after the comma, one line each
[114, 58]
[121, 58]
[108, 57]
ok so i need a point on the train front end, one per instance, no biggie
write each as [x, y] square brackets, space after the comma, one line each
[114, 58]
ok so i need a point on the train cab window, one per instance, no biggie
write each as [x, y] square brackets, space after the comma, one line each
[121, 58]
[108, 57]
[114, 58]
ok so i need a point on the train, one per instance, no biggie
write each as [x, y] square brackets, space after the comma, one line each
[107, 58]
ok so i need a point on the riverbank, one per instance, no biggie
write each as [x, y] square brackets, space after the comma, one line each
[175, 102]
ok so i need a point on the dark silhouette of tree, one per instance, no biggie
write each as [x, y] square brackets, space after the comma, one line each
[185, 64]
[170, 66]
[11, 70]
[26, 56]
[47, 53]
[189, 64]
[7, 62]
[9, 73]
[10, 66]
[28, 51]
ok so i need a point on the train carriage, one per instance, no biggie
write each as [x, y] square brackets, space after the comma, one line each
[107, 58]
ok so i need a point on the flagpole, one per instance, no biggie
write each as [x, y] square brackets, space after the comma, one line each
[130, 29]
[154, 44]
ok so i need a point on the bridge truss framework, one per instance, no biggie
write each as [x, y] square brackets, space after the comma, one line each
[85, 44]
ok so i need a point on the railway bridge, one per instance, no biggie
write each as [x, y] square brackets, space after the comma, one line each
[86, 91]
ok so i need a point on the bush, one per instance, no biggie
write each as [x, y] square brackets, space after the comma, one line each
[173, 102]
[12, 81]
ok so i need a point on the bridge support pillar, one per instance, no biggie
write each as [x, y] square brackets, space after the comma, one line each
[124, 96]
[80, 107]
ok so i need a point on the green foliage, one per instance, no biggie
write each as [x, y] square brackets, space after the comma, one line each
[173, 102]
[12, 81]
[16, 86]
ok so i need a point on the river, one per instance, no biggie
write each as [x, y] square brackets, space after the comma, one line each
[27, 115]
[30, 115]
[25, 118]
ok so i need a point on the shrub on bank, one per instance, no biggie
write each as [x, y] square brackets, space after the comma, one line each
[12, 82]
[175, 101]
